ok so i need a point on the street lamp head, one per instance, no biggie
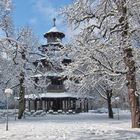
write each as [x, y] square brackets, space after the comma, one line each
[8, 92]
[117, 99]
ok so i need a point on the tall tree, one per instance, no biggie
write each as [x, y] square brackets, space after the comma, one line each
[17, 49]
[112, 22]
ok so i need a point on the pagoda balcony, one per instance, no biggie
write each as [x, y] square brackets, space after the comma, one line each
[56, 88]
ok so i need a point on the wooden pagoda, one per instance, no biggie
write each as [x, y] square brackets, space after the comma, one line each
[54, 96]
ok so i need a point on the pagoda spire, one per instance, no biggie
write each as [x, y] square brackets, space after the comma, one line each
[54, 22]
[54, 33]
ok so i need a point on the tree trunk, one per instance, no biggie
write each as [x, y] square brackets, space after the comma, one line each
[130, 65]
[21, 97]
[133, 98]
[110, 111]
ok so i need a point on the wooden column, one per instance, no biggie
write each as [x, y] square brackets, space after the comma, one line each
[40, 104]
[87, 105]
[61, 105]
[65, 104]
[29, 106]
[74, 104]
[84, 105]
[81, 106]
[45, 108]
[48, 105]
[69, 103]
[35, 105]
[43, 105]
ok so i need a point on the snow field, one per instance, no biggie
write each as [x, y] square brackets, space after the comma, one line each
[83, 126]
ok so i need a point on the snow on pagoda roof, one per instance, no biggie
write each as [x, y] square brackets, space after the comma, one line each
[67, 57]
[51, 95]
[55, 43]
[55, 95]
[53, 29]
[37, 75]
[42, 58]
[49, 73]
[54, 74]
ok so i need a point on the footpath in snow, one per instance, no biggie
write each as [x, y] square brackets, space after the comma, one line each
[84, 126]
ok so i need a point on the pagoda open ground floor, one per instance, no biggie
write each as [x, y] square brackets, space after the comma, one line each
[57, 105]
[58, 102]
[82, 126]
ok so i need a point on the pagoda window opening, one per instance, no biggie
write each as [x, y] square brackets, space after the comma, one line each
[57, 82]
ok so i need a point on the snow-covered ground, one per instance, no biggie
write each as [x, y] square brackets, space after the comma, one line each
[84, 126]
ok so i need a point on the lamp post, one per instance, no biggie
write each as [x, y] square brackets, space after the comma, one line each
[117, 101]
[8, 93]
[15, 107]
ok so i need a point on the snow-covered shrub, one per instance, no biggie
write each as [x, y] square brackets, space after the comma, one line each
[50, 112]
[59, 111]
[55, 113]
[43, 113]
[27, 113]
[38, 112]
[32, 111]
[99, 110]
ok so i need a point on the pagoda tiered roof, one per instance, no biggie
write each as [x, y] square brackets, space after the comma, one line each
[54, 30]
[56, 95]
[51, 95]
[49, 74]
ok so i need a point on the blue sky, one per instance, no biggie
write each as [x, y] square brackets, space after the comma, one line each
[39, 14]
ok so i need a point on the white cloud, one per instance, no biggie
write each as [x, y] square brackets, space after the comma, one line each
[47, 11]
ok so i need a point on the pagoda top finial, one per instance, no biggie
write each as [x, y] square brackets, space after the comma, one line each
[55, 31]
[54, 20]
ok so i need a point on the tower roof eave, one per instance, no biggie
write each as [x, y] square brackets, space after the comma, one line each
[52, 31]
[61, 34]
